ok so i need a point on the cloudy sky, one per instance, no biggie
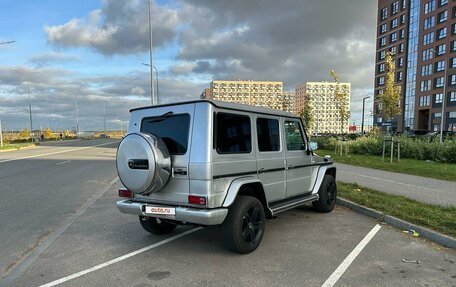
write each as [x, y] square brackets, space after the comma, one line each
[92, 50]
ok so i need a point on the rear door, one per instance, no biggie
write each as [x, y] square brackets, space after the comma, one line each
[298, 161]
[270, 157]
[174, 125]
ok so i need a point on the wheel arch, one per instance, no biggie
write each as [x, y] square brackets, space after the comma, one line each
[249, 186]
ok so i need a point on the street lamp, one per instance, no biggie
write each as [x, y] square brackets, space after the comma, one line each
[362, 121]
[156, 76]
[150, 58]
[77, 118]
[442, 116]
[30, 106]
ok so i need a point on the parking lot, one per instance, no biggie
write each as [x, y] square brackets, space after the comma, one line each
[93, 244]
[300, 248]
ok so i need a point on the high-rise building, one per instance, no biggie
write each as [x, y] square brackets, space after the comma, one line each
[257, 93]
[322, 101]
[421, 36]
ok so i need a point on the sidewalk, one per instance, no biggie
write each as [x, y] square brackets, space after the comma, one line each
[428, 190]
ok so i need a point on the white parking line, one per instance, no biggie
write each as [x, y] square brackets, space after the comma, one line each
[63, 162]
[350, 258]
[118, 259]
[57, 152]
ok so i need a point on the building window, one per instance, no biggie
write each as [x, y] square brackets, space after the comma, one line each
[381, 81]
[401, 47]
[453, 29]
[400, 62]
[394, 23]
[426, 70]
[428, 38]
[429, 6]
[441, 33]
[453, 80]
[443, 2]
[403, 19]
[437, 115]
[425, 86]
[393, 50]
[384, 13]
[382, 41]
[442, 16]
[383, 28]
[425, 101]
[452, 115]
[441, 49]
[393, 37]
[452, 96]
[382, 55]
[429, 23]
[439, 66]
[438, 98]
[402, 34]
[438, 82]
[453, 62]
[404, 4]
[453, 46]
[395, 7]
[381, 68]
[427, 55]
[399, 76]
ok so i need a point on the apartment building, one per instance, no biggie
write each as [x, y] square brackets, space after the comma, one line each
[257, 93]
[421, 36]
[322, 100]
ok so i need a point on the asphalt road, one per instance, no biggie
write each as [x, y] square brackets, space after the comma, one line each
[66, 231]
[41, 187]
[424, 189]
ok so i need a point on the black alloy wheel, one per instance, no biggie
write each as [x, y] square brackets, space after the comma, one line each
[244, 225]
[328, 195]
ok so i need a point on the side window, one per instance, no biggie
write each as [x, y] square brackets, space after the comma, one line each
[233, 133]
[294, 136]
[268, 134]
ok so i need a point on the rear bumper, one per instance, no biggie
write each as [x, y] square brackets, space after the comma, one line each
[184, 214]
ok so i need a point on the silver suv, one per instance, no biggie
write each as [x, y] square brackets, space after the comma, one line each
[210, 163]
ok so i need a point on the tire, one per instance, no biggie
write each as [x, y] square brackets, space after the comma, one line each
[244, 225]
[156, 225]
[328, 195]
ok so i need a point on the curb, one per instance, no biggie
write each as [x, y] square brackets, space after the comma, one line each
[429, 234]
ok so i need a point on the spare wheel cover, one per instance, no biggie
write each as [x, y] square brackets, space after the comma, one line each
[143, 163]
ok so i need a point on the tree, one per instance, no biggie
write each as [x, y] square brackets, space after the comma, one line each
[306, 114]
[47, 133]
[342, 98]
[388, 100]
[24, 134]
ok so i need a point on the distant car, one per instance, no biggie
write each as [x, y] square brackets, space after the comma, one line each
[210, 163]
[104, 136]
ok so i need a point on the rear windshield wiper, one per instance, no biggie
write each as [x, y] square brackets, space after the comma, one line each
[160, 118]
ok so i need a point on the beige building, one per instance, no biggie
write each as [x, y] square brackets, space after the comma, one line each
[324, 106]
[257, 93]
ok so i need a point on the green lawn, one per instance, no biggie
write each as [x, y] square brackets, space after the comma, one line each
[438, 218]
[15, 146]
[446, 171]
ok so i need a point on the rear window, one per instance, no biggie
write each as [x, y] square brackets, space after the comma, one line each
[233, 133]
[173, 129]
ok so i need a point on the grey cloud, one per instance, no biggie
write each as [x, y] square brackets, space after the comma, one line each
[119, 27]
[51, 58]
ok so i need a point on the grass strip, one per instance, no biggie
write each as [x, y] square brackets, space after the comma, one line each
[438, 170]
[438, 218]
[15, 146]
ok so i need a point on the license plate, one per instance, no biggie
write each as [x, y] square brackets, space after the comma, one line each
[160, 210]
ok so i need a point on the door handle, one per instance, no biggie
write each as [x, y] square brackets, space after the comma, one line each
[290, 166]
[261, 170]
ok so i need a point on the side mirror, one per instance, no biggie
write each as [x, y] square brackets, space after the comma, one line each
[313, 146]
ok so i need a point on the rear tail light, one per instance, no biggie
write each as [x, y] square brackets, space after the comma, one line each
[199, 200]
[123, 192]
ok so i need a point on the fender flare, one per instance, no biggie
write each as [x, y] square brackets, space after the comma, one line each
[322, 171]
[235, 186]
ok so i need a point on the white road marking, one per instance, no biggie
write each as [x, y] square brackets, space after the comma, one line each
[387, 180]
[63, 162]
[57, 152]
[121, 258]
[352, 256]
